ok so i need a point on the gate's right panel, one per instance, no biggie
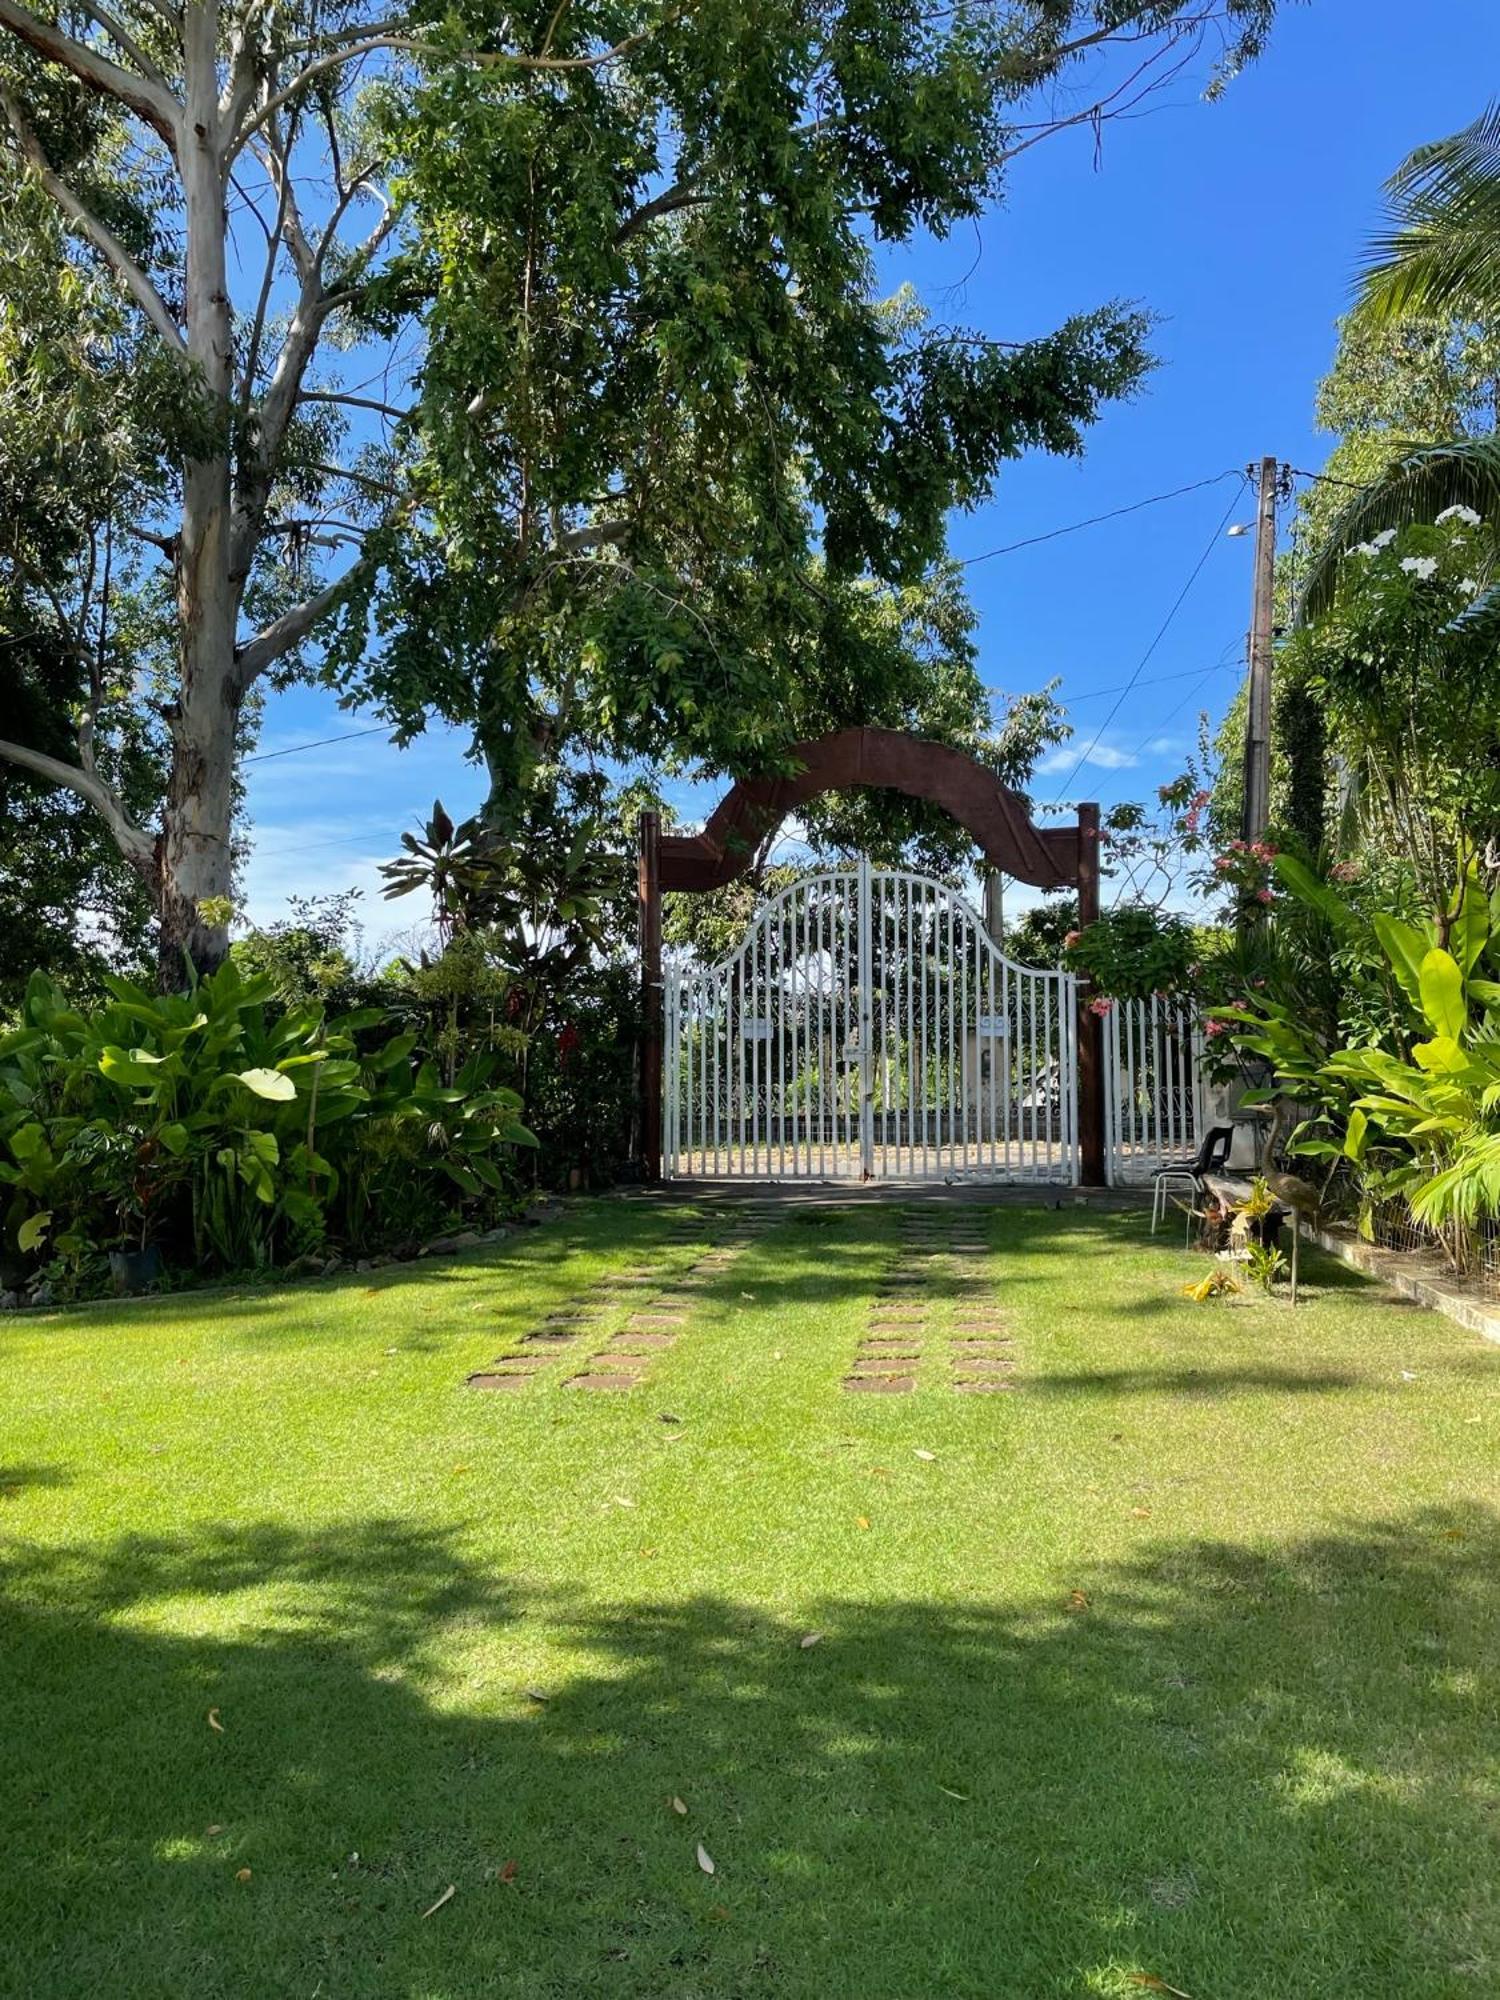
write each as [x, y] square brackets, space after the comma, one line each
[973, 1071]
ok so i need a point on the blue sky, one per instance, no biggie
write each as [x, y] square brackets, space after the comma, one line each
[1240, 224]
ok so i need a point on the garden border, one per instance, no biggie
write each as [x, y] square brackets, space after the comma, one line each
[1428, 1285]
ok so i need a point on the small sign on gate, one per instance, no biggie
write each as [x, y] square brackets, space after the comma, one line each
[995, 1026]
[756, 1030]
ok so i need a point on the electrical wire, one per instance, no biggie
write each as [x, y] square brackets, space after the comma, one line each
[265, 756]
[1161, 633]
[1094, 520]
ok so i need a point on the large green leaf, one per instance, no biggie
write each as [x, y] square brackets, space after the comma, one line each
[139, 1066]
[1442, 990]
[1405, 946]
[31, 1232]
[1471, 928]
[268, 1083]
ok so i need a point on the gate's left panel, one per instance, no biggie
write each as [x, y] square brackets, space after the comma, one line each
[762, 1049]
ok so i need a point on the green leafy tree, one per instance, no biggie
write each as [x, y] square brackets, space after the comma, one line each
[1437, 264]
[622, 254]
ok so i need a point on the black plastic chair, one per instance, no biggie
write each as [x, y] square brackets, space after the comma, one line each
[1190, 1175]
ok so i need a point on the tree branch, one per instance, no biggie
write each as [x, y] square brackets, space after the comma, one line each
[284, 632]
[686, 194]
[137, 847]
[381, 38]
[150, 101]
[352, 402]
[103, 240]
[125, 42]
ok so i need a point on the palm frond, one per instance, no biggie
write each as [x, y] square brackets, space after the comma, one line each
[1415, 487]
[1441, 255]
[1480, 621]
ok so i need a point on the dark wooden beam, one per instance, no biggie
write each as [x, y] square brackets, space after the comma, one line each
[1090, 1025]
[649, 897]
[887, 759]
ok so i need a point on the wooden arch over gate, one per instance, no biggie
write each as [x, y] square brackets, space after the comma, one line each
[892, 760]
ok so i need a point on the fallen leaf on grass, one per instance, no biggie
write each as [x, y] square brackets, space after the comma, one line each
[458, 1469]
[646, 1554]
[679, 1806]
[506, 1872]
[1154, 1985]
[863, 1521]
[928, 1455]
[214, 1722]
[1141, 1513]
[447, 1896]
[621, 1501]
[667, 1417]
[1078, 1600]
[535, 1694]
[705, 1859]
[242, 1875]
[809, 1639]
[955, 1795]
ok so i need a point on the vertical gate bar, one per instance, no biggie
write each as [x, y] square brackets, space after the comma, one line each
[994, 1045]
[921, 897]
[741, 1100]
[909, 1037]
[1010, 1057]
[761, 1050]
[885, 1031]
[965, 1063]
[781, 1038]
[805, 1137]
[673, 1061]
[866, 1022]
[1161, 1112]
[820, 915]
[1044, 1005]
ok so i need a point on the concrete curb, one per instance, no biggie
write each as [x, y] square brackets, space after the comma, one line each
[1415, 1275]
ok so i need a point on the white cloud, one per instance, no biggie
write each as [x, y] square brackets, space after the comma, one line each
[1103, 756]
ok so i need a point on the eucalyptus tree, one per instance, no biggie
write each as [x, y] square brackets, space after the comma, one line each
[549, 334]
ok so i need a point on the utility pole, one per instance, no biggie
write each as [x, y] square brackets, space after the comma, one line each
[994, 906]
[1257, 815]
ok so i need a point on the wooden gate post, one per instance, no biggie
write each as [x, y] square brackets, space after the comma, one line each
[1090, 1025]
[649, 896]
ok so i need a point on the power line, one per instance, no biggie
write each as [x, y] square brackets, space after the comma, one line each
[1094, 520]
[1066, 700]
[322, 742]
[1161, 634]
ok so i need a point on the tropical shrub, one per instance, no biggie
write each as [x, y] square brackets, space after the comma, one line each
[233, 1133]
[1133, 951]
[1410, 1109]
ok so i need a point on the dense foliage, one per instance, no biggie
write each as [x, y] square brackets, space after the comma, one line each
[232, 1134]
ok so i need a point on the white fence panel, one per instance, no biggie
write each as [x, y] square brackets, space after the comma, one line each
[1155, 1088]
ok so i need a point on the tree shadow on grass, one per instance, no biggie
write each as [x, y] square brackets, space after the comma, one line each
[1254, 1773]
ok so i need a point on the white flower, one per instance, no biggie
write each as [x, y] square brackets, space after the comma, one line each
[1465, 514]
[1383, 540]
[1364, 549]
[1424, 568]
[1470, 586]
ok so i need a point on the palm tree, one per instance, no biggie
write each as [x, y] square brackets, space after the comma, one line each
[1439, 259]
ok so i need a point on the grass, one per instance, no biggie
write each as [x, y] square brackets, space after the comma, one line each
[1181, 1662]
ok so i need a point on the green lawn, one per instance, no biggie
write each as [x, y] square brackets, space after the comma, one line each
[1181, 1660]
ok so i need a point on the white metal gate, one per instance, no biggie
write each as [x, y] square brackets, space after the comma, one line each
[867, 1027]
[1154, 1087]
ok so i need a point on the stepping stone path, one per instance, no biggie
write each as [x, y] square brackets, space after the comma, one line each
[903, 1344]
[658, 1311]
